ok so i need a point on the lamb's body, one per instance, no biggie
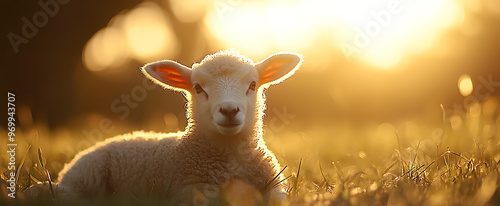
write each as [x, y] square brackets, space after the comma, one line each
[141, 163]
[222, 148]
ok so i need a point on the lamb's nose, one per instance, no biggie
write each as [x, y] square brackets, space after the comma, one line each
[229, 112]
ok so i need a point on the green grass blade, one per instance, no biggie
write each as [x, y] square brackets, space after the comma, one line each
[19, 168]
[415, 159]
[29, 179]
[40, 160]
[36, 179]
[284, 179]
[321, 170]
[51, 189]
[275, 177]
[295, 185]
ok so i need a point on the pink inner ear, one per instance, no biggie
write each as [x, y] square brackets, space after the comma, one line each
[175, 83]
[271, 71]
[171, 77]
[167, 70]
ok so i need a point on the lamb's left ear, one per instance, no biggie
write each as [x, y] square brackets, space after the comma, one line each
[278, 67]
[169, 74]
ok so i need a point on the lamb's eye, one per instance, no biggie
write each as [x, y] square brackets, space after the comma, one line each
[198, 89]
[252, 86]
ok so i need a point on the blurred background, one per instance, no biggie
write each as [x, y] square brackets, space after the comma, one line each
[371, 67]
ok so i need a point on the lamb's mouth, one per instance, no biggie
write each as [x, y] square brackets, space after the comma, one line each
[229, 125]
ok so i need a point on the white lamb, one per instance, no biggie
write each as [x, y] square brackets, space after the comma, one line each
[220, 155]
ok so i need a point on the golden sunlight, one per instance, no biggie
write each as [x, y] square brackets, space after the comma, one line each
[258, 28]
[379, 32]
[406, 27]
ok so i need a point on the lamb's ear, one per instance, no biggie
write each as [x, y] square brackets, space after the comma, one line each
[169, 74]
[278, 67]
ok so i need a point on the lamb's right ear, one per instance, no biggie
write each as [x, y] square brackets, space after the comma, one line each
[169, 74]
[278, 67]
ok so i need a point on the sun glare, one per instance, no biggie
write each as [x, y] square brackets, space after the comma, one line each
[379, 32]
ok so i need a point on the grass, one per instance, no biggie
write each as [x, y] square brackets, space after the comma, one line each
[458, 181]
[407, 164]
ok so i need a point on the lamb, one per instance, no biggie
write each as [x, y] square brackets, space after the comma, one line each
[220, 152]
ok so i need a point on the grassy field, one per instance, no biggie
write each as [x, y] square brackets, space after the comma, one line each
[453, 161]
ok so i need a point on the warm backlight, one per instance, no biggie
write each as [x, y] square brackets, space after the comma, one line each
[379, 32]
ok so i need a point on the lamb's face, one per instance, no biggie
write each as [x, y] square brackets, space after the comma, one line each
[224, 97]
[223, 87]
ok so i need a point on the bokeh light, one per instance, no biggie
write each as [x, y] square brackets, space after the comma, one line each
[189, 11]
[149, 34]
[143, 34]
[107, 48]
[465, 85]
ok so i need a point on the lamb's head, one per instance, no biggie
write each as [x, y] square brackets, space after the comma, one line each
[224, 88]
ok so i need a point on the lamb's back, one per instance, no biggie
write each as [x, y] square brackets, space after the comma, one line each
[130, 163]
[142, 161]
